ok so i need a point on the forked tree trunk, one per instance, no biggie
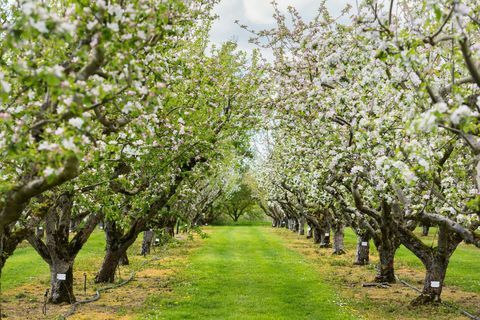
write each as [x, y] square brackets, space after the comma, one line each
[117, 246]
[58, 250]
[338, 244]
[362, 255]
[435, 261]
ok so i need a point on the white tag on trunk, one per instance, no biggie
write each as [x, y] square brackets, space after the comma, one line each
[327, 234]
[40, 228]
[435, 284]
[364, 244]
[61, 276]
[157, 240]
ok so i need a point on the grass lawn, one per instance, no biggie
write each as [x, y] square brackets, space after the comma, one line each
[247, 273]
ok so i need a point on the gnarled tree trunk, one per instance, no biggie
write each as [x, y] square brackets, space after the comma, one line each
[61, 281]
[325, 235]
[117, 246]
[338, 244]
[385, 268]
[435, 261]
[58, 250]
[362, 255]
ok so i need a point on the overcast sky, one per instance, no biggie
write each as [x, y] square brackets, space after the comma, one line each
[257, 14]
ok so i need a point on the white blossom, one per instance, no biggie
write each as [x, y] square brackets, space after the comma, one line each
[76, 122]
[462, 112]
[68, 144]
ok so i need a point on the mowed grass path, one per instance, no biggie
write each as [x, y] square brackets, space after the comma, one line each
[247, 273]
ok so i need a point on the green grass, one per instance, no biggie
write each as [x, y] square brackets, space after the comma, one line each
[247, 273]
[242, 272]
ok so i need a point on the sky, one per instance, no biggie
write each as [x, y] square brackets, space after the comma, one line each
[257, 14]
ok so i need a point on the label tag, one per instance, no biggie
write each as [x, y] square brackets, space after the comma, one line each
[435, 284]
[157, 240]
[61, 276]
[40, 228]
[364, 244]
[327, 234]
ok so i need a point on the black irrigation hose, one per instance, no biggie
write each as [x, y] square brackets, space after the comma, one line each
[97, 295]
[464, 312]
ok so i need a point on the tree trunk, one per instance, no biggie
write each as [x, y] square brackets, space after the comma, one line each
[109, 266]
[61, 282]
[435, 261]
[338, 245]
[117, 245]
[385, 268]
[124, 260]
[9, 242]
[325, 236]
[317, 236]
[147, 242]
[433, 282]
[363, 250]
[301, 226]
[309, 232]
[425, 229]
[40, 232]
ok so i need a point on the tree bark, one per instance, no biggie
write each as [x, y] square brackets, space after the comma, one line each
[124, 260]
[363, 250]
[317, 235]
[385, 269]
[40, 232]
[147, 242]
[338, 244]
[61, 281]
[425, 229]
[58, 250]
[301, 226]
[436, 270]
[117, 246]
[9, 242]
[109, 266]
[325, 235]
[435, 261]
[309, 232]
